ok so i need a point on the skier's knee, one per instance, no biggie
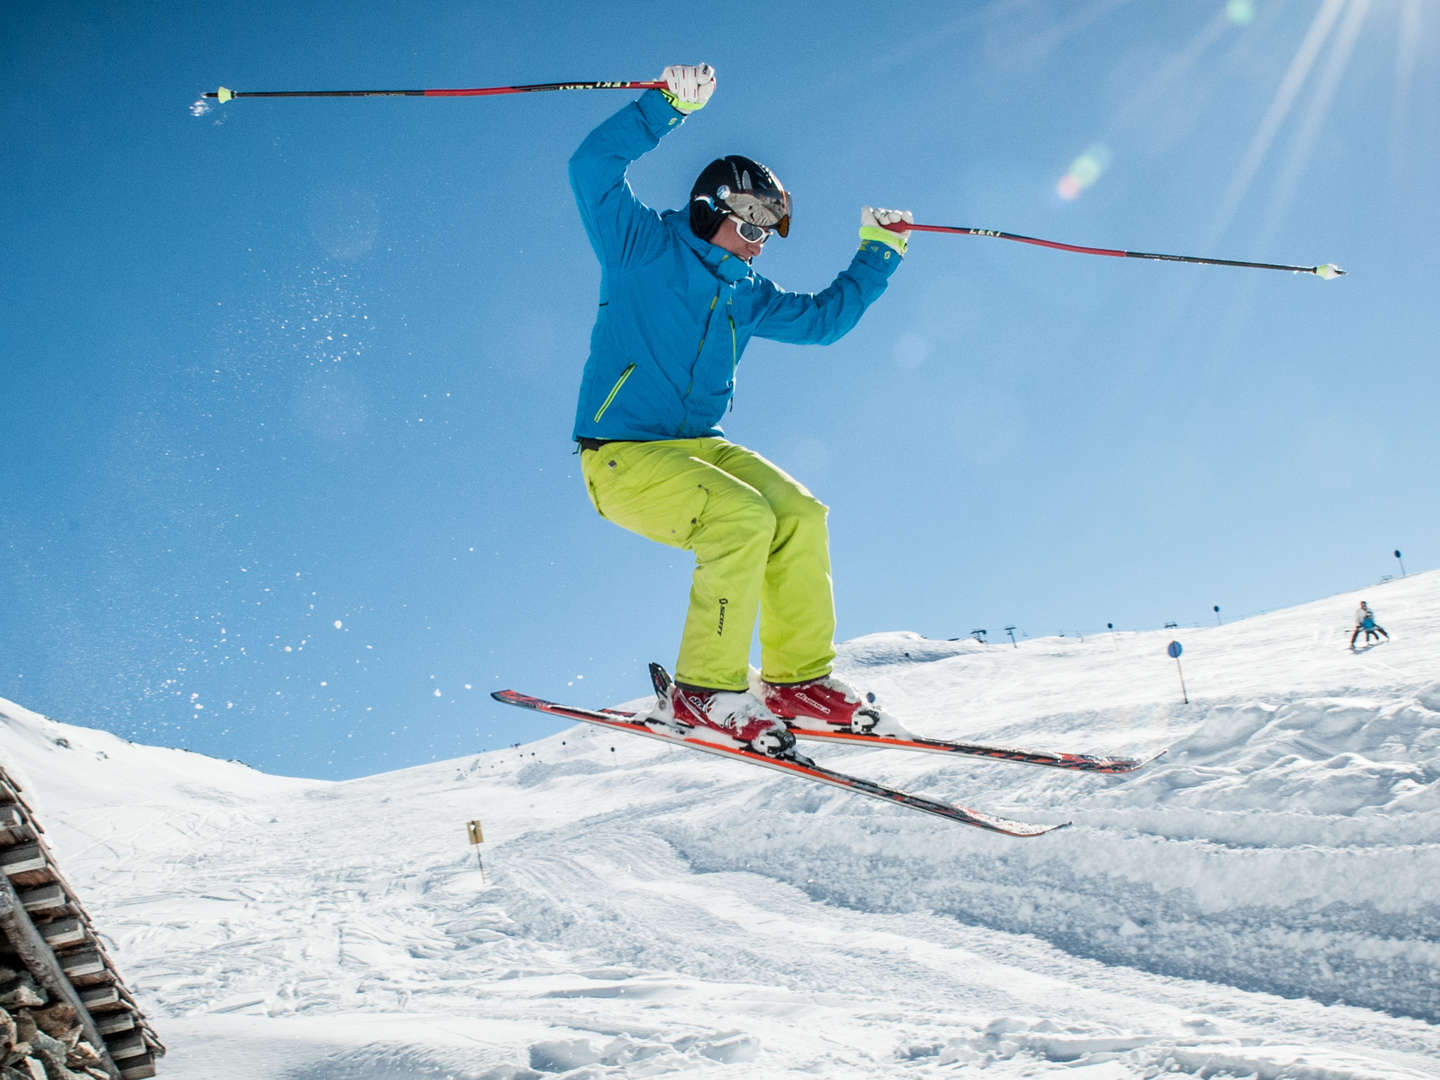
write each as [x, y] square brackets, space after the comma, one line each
[746, 517]
[805, 512]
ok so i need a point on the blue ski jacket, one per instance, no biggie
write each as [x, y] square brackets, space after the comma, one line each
[676, 311]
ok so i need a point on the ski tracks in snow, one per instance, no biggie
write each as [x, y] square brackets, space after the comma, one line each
[1256, 903]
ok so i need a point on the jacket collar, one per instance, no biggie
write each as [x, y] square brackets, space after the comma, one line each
[725, 266]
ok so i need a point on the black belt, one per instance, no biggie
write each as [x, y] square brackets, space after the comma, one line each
[594, 444]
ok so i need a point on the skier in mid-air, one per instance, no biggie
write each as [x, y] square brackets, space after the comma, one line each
[679, 301]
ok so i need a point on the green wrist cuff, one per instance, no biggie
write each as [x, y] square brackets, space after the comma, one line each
[686, 107]
[884, 236]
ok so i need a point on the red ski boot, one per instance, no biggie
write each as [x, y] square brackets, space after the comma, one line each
[826, 699]
[739, 716]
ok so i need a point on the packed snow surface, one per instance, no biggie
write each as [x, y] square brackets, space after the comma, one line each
[1259, 902]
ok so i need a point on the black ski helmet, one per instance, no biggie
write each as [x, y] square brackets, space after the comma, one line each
[740, 186]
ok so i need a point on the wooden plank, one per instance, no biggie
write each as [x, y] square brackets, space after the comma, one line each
[127, 1046]
[139, 1070]
[81, 962]
[52, 897]
[98, 996]
[59, 933]
[13, 827]
[114, 1023]
[21, 859]
[28, 879]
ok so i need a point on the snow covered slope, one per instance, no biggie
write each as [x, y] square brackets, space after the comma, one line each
[1259, 902]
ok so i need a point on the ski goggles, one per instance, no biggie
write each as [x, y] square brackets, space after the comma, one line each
[766, 211]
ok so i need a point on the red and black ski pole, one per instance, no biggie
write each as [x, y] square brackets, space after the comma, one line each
[225, 94]
[1324, 270]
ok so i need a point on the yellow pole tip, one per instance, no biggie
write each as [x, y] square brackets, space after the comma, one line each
[225, 95]
[1328, 271]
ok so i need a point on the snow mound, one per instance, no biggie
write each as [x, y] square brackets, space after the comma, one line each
[1258, 901]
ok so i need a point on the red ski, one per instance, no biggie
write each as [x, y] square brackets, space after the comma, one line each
[793, 764]
[807, 728]
[1053, 758]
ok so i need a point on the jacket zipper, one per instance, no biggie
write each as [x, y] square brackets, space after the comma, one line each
[734, 361]
[700, 349]
[610, 398]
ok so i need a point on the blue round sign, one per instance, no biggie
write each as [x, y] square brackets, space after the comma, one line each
[1175, 650]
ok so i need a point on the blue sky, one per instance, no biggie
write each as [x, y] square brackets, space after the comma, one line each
[288, 385]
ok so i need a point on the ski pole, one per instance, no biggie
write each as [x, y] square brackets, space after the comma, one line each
[225, 94]
[1324, 270]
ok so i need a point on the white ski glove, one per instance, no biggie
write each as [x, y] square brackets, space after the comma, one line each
[872, 226]
[688, 86]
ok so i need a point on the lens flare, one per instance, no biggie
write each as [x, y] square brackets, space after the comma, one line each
[1084, 171]
[1241, 12]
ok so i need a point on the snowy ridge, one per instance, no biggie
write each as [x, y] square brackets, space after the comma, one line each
[1259, 902]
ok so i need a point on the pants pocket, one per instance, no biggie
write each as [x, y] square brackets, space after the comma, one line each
[652, 489]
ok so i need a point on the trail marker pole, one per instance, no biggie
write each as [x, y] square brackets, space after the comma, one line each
[477, 837]
[1011, 631]
[1217, 614]
[1175, 650]
[1401, 561]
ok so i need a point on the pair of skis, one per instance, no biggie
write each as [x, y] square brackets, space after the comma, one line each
[796, 764]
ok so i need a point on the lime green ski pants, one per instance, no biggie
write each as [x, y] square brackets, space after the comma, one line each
[761, 548]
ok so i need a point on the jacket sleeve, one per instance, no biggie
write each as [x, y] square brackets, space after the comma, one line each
[826, 316]
[621, 228]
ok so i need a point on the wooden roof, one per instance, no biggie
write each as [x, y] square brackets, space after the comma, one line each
[43, 923]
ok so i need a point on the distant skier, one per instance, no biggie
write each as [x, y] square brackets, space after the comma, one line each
[679, 301]
[1365, 620]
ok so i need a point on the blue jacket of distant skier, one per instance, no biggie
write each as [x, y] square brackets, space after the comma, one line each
[676, 311]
